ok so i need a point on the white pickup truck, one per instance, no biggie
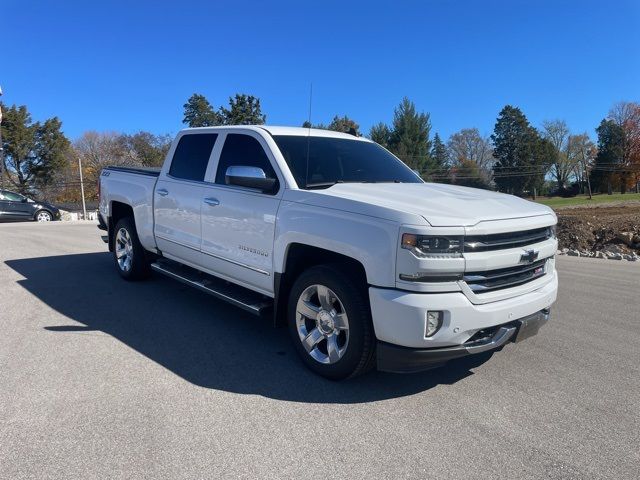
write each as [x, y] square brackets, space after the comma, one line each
[335, 237]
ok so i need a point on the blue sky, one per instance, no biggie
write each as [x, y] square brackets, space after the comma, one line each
[129, 66]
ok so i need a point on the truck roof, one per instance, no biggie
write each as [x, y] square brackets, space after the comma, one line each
[280, 130]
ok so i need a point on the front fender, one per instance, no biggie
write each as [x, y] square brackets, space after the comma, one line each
[369, 240]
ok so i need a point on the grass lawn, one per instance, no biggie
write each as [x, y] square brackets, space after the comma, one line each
[556, 202]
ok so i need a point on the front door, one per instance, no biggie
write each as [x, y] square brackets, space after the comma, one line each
[5, 205]
[178, 198]
[238, 224]
[15, 206]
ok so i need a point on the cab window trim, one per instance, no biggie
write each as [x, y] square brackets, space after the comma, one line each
[170, 165]
[217, 151]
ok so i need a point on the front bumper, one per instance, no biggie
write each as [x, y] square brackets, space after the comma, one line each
[398, 359]
[399, 317]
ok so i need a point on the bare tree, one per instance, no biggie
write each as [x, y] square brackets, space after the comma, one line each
[99, 150]
[581, 153]
[468, 145]
[558, 134]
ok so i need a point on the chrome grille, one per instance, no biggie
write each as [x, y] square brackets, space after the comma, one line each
[482, 282]
[501, 241]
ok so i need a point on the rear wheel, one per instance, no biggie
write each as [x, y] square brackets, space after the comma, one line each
[43, 216]
[128, 254]
[330, 322]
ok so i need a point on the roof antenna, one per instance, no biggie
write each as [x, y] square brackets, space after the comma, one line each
[306, 176]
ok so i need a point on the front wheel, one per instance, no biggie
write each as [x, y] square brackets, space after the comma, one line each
[330, 322]
[128, 254]
[43, 216]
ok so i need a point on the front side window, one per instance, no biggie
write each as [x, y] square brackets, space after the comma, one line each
[243, 150]
[191, 157]
[12, 197]
[319, 162]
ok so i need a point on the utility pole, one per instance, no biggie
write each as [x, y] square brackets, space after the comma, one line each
[84, 205]
[1, 149]
[586, 174]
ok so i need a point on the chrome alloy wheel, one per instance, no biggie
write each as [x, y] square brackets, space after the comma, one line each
[124, 250]
[322, 324]
[43, 217]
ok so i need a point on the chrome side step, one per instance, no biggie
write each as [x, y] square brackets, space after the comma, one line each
[236, 295]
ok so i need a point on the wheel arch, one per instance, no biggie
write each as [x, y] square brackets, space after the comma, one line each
[118, 210]
[43, 209]
[300, 257]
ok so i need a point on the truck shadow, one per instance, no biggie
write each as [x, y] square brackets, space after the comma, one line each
[201, 339]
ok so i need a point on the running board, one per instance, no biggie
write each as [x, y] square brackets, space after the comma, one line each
[244, 298]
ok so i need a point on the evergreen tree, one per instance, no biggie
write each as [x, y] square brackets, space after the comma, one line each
[409, 139]
[32, 151]
[243, 110]
[439, 155]
[609, 157]
[344, 125]
[522, 157]
[381, 134]
[198, 112]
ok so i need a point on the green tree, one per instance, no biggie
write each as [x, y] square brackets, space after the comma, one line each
[32, 151]
[409, 139]
[381, 134]
[609, 157]
[522, 156]
[439, 165]
[198, 112]
[344, 125]
[243, 110]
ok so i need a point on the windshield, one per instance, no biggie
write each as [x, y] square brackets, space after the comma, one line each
[338, 160]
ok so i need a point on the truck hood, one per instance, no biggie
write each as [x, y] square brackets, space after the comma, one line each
[439, 204]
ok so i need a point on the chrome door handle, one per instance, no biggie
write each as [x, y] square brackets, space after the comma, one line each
[212, 201]
[163, 192]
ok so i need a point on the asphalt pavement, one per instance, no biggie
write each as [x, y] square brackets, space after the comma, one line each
[101, 378]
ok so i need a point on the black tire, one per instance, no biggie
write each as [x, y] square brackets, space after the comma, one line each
[138, 266]
[359, 353]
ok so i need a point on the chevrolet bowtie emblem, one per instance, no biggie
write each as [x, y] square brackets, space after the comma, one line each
[529, 256]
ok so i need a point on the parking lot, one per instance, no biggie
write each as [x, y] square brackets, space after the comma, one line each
[100, 378]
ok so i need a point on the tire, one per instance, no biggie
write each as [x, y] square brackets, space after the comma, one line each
[129, 256]
[339, 342]
[42, 216]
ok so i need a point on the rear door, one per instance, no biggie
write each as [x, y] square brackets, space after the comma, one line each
[238, 223]
[178, 198]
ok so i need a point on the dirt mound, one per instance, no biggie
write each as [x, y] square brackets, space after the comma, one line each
[595, 228]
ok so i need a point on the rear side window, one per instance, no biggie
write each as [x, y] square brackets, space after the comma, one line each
[242, 150]
[192, 156]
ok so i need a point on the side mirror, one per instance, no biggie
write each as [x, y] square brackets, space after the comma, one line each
[250, 177]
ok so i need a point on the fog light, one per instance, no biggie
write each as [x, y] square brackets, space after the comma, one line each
[434, 322]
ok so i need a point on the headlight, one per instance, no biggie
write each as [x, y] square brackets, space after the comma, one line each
[432, 246]
[553, 231]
